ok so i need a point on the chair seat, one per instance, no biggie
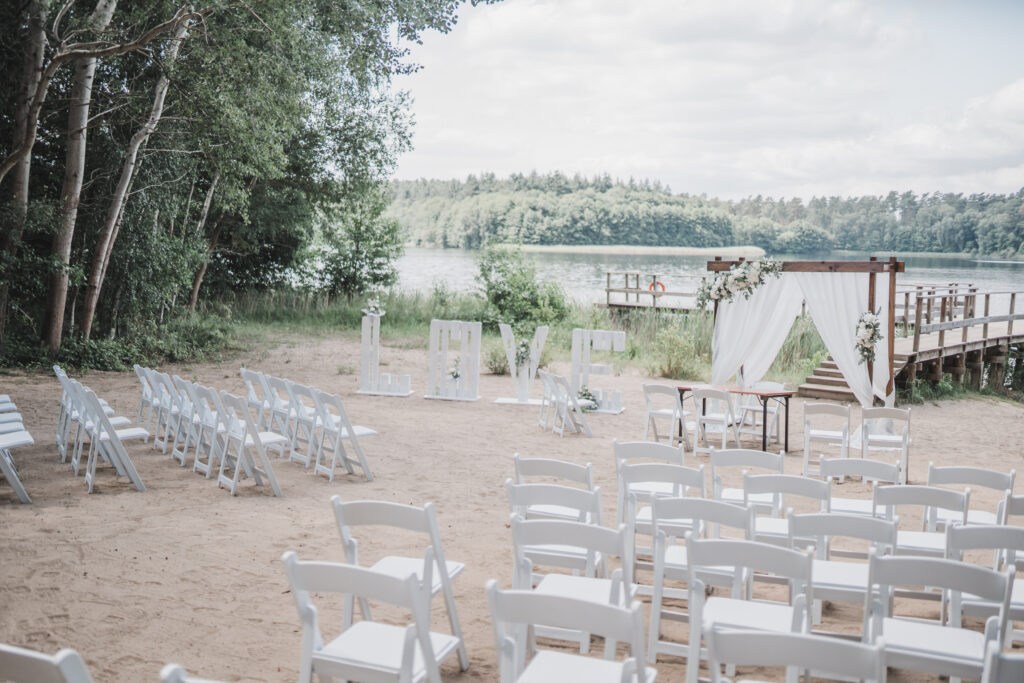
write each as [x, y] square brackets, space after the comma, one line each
[826, 435]
[914, 639]
[267, 439]
[931, 542]
[972, 604]
[853, 506]
[10, 417]
[771, 526]
[550, 666]
[973, 517]
[15, 439]
[675, 562]
[9, 427]
[377, 646]
[8, 407]
[747, 614]
[578, 587]
[401, 567]
[846, 576]
[126, 434]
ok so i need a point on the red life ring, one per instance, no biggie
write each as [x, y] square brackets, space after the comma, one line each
[659, 283]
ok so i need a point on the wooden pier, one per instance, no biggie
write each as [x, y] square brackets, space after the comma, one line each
[949, 329]
[650, 290]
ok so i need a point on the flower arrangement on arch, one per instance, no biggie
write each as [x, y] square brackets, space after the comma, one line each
[869, 333]
[742, 278]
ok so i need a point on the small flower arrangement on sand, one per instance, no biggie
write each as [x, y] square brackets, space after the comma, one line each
[742, 278]
[373, 307]
[869, 333]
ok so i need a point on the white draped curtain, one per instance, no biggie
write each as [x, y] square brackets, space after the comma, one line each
[749, 332]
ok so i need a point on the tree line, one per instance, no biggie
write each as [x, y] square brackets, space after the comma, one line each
[156, 152]
[554, 208]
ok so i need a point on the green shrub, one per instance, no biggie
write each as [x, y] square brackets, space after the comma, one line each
[675, 355]
[495, 359]
[514, 294]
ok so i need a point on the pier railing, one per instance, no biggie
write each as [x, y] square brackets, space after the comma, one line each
[633, 289]
[958, 310]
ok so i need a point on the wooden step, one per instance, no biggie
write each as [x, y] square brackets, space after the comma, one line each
[827, 372]
[827, 380]
[827, 392]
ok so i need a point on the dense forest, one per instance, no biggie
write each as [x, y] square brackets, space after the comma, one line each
[557, 209]
[155, 153]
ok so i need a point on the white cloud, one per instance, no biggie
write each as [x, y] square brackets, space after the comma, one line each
[730, 98]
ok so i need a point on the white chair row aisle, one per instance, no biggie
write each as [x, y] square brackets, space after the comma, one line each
[315, 423]
[13, 435]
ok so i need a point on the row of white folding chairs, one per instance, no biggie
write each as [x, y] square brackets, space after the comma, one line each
[882, 430]
[94, 420]
[217, 426]
[315, 422]
[12, 435]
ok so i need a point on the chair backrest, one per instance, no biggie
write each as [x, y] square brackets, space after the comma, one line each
[960, 475]
[174, 673]
[587, 503]
[1011, 506]
[682, 478]
[1002, 667]
[593, 540]
[796, 651]
[794, 565]
[207, 405]
[184, 388]
[656, 395]
[822, 409]
[891, 498]
[333, 417]
[822, 528]
[511, 609]
[366, 584]
[675, 516]
[147, 388]
[165, 389]
[742, 458]
[237, 418]
[1005, 540]
[715, 400]
[255, 391]
[872, 419]
[865, 468]
[782, 485]
[278, 392]
[303, 404]
[28, 666]
[548, 468]
[648, 451]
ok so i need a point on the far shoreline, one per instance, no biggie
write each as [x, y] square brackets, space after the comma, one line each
[747, 252]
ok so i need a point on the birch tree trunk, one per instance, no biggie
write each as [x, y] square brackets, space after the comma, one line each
[200, 227]
[32, 74]
[74, 170]
[108, 234]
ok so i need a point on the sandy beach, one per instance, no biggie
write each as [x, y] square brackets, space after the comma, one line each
[184, 572]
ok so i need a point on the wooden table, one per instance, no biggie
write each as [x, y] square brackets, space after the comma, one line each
[779, 396]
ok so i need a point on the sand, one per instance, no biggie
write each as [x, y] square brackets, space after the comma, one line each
[184, 572]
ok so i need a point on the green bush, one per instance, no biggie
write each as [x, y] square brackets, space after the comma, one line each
[675, 354]
[514, 294]
[495, 359]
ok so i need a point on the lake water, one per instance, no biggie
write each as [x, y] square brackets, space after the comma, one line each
[582, 276]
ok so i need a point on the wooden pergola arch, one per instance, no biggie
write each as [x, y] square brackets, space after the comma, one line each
[872, 267]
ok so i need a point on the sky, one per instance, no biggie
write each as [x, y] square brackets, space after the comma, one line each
[728, 98]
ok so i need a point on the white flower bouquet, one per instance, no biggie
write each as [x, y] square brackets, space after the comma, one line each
[742, 278]
[373, 307]
[869, 333]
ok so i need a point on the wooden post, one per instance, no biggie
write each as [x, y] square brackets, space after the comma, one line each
[942, 319]
[871, 307]
[1009, 324]
[984, 328]
[906, 313]
[889, 386]
[608, 289]
[917, 323]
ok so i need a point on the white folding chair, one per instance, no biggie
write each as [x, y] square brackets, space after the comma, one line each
[187, 423]
[547, 401]
[796, 652]
[211, 427]
[28, 666]
[828, 424]
[15, 425]
[836, 580]
[335, 430]
[637, 481]
[675, 518]
[427, 569]
[782, 488]
[241, 438]
[752, 412]
[7, 467]
[146, 398]
[889, 500]
[738, 460]
[281, 412]
[836, 470]
[959, 475]
[930, 645]
[747, 614]
[573, 504]
[568, 408]
[714, 415]
[528, 470]
[107, 442]
[515, 613]
[169, 413]
[664, 403]
[367, 650]
[1002, 668]
[886, 429]
[257, 394]
[174, 673]
[304, 423]
[70, 411]
[592, 546]
[1007, 544]
[643, 451]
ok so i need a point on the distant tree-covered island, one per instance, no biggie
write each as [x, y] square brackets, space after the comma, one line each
[550, 209]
